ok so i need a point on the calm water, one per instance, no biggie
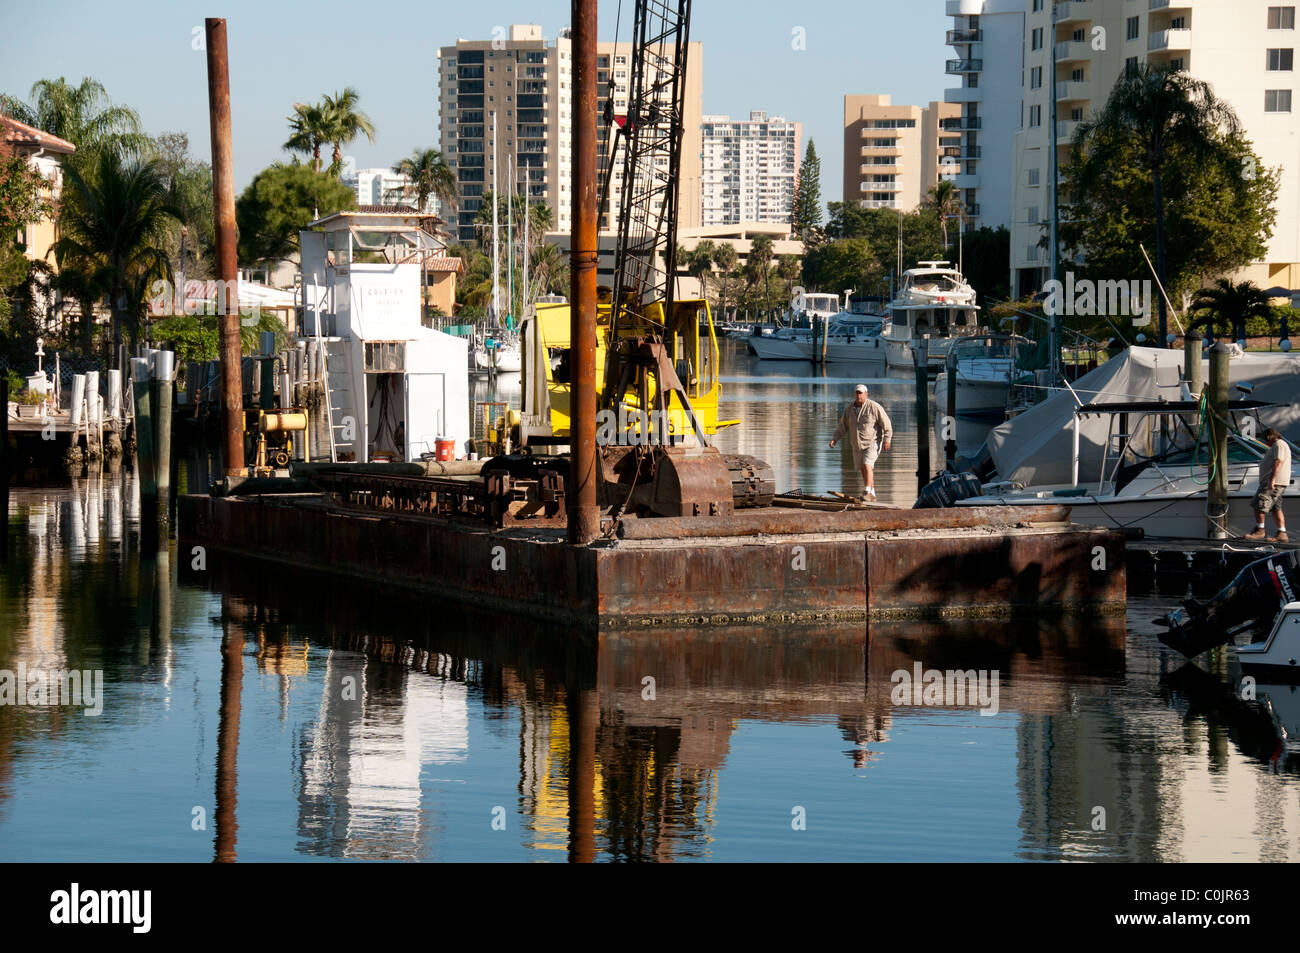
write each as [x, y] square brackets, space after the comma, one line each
[345, 722]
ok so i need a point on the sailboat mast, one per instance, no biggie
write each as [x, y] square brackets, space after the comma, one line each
[523, 311]
[496, 259]
[510, 237]
[1053, 251]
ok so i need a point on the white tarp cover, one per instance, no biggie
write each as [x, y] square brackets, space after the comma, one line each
[1036, 448]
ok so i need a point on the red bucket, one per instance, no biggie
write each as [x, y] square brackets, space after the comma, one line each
[446, 448]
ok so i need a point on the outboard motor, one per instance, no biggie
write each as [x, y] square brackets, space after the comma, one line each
[946, 489]
[1247, 604]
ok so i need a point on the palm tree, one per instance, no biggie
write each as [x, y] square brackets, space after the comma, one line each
[945, 200]
[82, 114]
[1163, 109]
[788, 269]
[309, 128]
[344, 123]
[1230, 306]
[699, 264]
[725, 257]
[760, 256]
[118, 219]
[550, 269]
[427, 173]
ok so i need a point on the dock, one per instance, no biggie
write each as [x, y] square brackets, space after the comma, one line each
[769, 565]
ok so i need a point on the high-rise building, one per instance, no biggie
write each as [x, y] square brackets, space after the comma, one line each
[893, 155]
[381, 187]
[751, 167]
[525, 83]
[1243, 48]
[986, 33]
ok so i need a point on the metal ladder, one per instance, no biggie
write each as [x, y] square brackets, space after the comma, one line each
[336, 380]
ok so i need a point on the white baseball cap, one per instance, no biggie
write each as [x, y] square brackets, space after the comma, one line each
[860, 389]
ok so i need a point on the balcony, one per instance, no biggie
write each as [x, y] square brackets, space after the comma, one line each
[881, 187]
[964, 8]
[1065, 130]
[973, 210]
[963, 37]
[870, 169]
[961, 123]
[872, 133]
[969, 152]
[966, 180]
[958, 67]
[1168, 4]
[963, 94]
[1170, 40]
[1072, 51]
[1073, 11]
[1072, 91]
[868, 151]
[878, 203]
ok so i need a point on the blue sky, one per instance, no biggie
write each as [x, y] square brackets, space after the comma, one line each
[144, 53]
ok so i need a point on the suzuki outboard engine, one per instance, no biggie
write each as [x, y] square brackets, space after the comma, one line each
[1249, 603]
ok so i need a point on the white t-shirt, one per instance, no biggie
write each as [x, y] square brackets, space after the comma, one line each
[1280, 452]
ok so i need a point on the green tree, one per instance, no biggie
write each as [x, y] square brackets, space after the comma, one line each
[550, 270]
[81, 114]
[116, 220]
[1157, 123]
[1229, 306]
[945, 201]
[428, 174]
[698, 263]
[22, 200]
[309, 129]
[280, 202]
[987, 251]
[725, 257]
[344, 122]
[846, 263]
[760, 256]
[806, 213]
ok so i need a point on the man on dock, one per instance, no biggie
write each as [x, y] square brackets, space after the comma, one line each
[869, 430]
[1274, 477]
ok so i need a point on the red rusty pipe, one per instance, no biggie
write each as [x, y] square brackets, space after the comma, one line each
[777, 520]
[223, 207]
[584, 515]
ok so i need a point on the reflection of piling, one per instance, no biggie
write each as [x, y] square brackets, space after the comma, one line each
[1192, 362]
[950, 422]
[584, 719]
[4, 471]
[921, 360]
[232, 679]
[1217, 396]
[145, 462]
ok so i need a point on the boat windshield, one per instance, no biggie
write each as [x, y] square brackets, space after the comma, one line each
[934, 284]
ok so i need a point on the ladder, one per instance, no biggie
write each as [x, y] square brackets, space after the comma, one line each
[340, 408]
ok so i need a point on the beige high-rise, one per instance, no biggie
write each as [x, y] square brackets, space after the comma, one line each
[893, 154]
[525, 81]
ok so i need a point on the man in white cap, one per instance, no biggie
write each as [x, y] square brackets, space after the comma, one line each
[869, 430]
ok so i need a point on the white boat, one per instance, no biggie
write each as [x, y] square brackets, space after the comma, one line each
[936, 302]
[987, 367]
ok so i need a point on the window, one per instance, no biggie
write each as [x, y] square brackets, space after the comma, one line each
[1036, 39]
[1277, 100]
[1132, 27]
[1076, 76]
[1077, 36]
[1176, 64]
[1036, 77]
[1076, 114]
[1280, 60]
[1035, 116]
[1033, 176]
[1032, 217]
[1281, 18]
[1131, 65]
[1178, 23]
[1038, 6]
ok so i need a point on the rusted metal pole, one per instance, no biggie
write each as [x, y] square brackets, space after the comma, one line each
[226, 834]
[584, 515]
[1216, 509]
[223, 207]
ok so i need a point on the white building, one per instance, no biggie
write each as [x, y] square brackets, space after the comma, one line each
[751, 168]
[382, 187]
[1244, 49]
[988, 38]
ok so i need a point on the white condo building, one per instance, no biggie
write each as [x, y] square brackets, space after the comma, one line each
[1245, 49]
[751, 167]
[988, 39]
[381, 187]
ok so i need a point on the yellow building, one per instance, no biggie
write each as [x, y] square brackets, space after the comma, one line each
[44, 153]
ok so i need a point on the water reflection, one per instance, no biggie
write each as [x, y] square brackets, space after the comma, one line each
[306, 717]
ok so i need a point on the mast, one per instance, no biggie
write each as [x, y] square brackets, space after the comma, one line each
[523, 309]
[496, 259]
[510, 238]
[1053, 251]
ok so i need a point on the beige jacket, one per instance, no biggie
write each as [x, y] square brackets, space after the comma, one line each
[866, 425]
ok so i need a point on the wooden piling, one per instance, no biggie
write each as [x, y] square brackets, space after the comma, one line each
[1192, 362]
[1217, 393]
[267, 365]
[163, 366]
[950, 423]
[223, 205]
[145, 464]
[921, 360]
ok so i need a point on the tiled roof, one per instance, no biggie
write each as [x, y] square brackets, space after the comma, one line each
[18, 136]
[445, 263]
